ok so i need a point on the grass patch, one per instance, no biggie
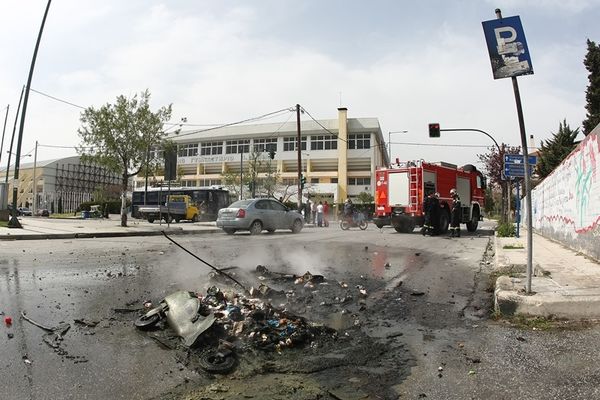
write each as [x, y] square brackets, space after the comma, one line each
[513, 246]
[506, 229]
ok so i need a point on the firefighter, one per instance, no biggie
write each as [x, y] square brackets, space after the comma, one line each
[435, 214]
[455, 216]
[431, 206]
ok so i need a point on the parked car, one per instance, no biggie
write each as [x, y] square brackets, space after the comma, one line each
[256, 215]
[24, 211]
[43, 212]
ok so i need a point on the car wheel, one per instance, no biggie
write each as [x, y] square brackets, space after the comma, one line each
[256, 228]
[297, 226]
[177, 219]
[379, 226]
[229, 231]
[151, 220]
[195, 218]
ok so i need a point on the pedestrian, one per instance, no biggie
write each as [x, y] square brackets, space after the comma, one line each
[320, 214]
[326, 213]
[313, 209]
[307, 208]
[456, 214]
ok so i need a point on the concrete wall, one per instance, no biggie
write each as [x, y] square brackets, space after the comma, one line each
[566, 205]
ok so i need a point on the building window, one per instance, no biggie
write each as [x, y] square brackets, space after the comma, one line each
[265, 145]
[155, 153]
[237, 146]
[289, 182]
[323, 142]
[314, 180]
[187, 150]
[359, 181]
[359, 141]
[211, 148]
[188, 183]
[334, 180]
[289, 143]
[210, 182]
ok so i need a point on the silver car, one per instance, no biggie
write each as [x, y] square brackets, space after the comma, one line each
[256, 215]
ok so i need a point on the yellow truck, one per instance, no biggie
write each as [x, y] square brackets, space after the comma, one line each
[178, 207]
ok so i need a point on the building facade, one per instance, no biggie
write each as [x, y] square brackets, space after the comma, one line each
[339, 156]
[62, 184]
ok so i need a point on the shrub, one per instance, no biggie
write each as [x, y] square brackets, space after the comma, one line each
[506, 229]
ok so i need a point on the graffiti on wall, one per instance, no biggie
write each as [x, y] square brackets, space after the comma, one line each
[567, 202]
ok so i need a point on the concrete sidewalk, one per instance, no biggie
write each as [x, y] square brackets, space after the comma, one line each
[566, 284]
[36, 228]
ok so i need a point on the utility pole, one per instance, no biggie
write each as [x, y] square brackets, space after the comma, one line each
[527, 177]
[12, 138]
[14, 222]
[34, 208]
[299, 148]
[241, 175]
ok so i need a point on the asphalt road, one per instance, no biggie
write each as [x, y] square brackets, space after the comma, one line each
[427, 313]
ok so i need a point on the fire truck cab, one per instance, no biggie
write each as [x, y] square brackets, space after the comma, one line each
[401, 189]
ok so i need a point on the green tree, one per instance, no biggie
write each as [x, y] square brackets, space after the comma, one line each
[118, 135]
[592, 94]
[554, 150]
[365, 198]
[493, 166]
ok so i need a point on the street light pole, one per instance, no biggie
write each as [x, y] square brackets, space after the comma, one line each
[34, 208]
[390, 143]
[3, 130]
[14, 222]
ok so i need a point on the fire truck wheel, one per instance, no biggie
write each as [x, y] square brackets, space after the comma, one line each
[472, 224]
[444, 221]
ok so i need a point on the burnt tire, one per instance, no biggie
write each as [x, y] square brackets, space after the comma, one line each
[214, 362]
[256, 228]
[146, 322]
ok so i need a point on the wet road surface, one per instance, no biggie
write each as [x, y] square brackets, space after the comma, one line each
[427, 307]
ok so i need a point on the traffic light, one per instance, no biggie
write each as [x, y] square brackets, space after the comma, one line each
[302, 181]
[271, 154]
[434, 130]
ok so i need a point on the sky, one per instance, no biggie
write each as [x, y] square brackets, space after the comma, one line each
[407, 63]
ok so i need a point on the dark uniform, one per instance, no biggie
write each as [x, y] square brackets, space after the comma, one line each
[455, 216]
[431, 208]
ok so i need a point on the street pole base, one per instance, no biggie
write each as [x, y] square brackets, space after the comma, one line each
[14, 223]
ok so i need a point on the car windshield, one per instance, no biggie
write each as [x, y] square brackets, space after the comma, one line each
[241, 204]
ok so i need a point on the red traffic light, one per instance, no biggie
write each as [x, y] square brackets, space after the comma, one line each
[434, 130]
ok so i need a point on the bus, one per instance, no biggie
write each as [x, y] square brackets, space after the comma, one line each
[208, 199]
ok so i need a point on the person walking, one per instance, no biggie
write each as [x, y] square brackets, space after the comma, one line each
[313, 214]
[455, 215]
[320, 214]
[307, 207]
[326, 213]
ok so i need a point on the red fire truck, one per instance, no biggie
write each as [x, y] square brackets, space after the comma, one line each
[401, 189]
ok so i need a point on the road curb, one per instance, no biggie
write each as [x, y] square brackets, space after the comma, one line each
[92, 235]
[551, 301]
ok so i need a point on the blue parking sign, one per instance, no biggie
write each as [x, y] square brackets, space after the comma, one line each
[507, 47]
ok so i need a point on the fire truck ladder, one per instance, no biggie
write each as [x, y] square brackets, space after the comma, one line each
[415, 185]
